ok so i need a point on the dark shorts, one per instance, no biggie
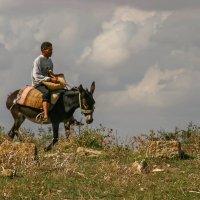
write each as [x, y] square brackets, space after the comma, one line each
[45, 91]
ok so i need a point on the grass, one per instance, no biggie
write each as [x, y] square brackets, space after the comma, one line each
[65, 174]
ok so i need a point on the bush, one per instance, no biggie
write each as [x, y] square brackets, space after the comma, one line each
[90, 139]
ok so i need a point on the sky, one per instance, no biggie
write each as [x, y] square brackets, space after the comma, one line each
[144, 57]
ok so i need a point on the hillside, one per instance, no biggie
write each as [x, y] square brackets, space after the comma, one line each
[102, 168]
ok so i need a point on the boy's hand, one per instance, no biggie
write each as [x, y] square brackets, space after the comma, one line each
[50, 73]
[54, 80]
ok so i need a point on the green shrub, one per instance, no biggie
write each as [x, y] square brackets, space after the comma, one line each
[90, 139]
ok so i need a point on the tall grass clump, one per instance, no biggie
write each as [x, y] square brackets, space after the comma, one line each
[189, 139]
[2, 134]
[91, 139]
[99, 138]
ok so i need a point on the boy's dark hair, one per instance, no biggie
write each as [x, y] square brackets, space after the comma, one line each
[45, 45]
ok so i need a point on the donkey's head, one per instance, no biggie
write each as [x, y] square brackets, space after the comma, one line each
[87, 102]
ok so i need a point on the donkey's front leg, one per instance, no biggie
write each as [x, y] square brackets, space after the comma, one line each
[55, 137]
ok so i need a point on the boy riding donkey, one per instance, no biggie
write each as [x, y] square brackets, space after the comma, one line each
[42, 73]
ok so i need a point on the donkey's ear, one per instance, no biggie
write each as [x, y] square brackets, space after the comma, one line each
[80, 88]
[92, 88]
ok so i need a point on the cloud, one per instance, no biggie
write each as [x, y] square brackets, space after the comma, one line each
[127, 33]
[24, 32]
[158, 88]
[63, 33]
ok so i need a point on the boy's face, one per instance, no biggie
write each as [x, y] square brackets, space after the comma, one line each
[47, 52]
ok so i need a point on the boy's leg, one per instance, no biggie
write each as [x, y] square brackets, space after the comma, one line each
[45, 105]
[45, 99]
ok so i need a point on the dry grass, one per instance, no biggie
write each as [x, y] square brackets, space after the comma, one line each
[65, 174]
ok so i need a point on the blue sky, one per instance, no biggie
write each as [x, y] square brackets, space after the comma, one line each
[143, 55]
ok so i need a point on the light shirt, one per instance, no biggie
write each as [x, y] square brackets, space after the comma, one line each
[41, 65]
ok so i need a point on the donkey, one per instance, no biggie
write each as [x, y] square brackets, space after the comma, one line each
[62, 111]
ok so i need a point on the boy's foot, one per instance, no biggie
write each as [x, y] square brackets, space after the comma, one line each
[45, 119]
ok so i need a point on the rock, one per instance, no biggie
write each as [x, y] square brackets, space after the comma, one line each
[58, 155]
[158, 170]
[8, 172]
[164, 149]
[141, 167]
[18, 151]
[88, 152]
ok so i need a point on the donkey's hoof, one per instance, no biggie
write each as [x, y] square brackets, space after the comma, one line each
[11, 136]
[47, 148]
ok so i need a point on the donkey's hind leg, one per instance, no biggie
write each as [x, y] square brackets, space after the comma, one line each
[18, 120]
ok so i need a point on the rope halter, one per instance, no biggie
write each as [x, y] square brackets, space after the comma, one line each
[84, 111]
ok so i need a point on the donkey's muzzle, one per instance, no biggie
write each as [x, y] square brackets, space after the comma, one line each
[88, 119]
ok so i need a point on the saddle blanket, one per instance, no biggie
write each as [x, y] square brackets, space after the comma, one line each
[31, 97]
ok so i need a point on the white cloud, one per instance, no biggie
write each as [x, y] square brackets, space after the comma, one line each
[63, 33]
[15, 33]
[86, 52]
[128, 32]
[158, 88]
[20, 32]
[176, 52]
[155, 86]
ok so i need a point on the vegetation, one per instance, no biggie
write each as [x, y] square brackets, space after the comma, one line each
[65, 174]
